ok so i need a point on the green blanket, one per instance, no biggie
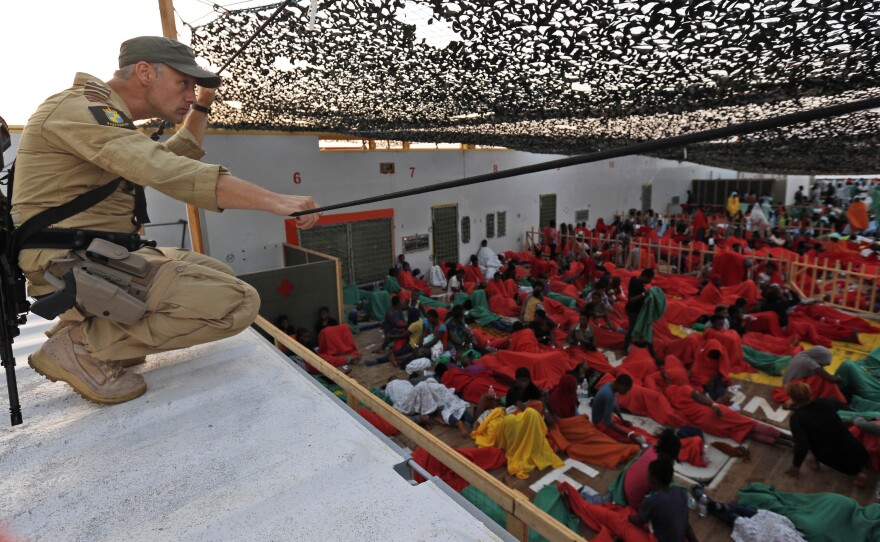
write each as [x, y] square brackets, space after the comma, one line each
[569, 302]
[480, 306]
[615, 489]
[485, 505]
[426, 301]
[821, 517]
[652, 310]
[765, 361]
[377, 302]
[480, 311]
[862, 378]
[391, 285]
[350, 294]
[550, 500]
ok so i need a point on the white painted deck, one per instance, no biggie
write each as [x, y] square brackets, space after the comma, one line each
[230, 442]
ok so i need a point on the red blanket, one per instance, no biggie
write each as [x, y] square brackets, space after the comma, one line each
[731, 267]
[593, 359]
[729, 425]
[471, 388]
[524, 340]
[378, 422]
[706, 368]
[546, 368]
[336, 345]
[732, 345]
[487, 458]
[608, 519]
[407, 282]
[781, 346]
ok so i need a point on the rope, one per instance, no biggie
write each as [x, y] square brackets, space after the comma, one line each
[645, 147]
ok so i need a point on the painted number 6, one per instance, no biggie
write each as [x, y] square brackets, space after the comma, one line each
[297, 178]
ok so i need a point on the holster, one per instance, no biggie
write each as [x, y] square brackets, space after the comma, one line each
[105, 280]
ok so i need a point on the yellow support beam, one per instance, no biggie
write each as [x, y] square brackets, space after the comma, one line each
[169, 30]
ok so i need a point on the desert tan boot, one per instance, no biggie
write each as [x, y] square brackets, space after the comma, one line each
[63, 358]
[125, 363]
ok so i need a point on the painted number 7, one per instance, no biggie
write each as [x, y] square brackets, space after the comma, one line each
[412, 171]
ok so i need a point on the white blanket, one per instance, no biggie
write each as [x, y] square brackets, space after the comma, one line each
[765, 526]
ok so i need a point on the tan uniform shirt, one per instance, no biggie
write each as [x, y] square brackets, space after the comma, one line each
[82, 138]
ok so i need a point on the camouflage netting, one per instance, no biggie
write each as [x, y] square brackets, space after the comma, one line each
[564, 76]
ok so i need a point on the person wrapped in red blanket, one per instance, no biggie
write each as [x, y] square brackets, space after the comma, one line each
[502, 295]
[711, 371]
[336, 345]
[719, 420]
[473, 382]
[731, 342]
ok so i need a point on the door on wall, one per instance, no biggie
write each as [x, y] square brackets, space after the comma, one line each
[444, 230]
[365, 247]
[646, 196]
[547, 211]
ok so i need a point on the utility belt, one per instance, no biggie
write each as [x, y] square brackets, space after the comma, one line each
[101, 277]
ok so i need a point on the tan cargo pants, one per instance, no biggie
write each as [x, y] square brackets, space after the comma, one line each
[194, 299]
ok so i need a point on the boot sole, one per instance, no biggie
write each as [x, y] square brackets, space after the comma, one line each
[51, 370]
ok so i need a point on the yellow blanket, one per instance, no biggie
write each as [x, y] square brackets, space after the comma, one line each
[523, 437]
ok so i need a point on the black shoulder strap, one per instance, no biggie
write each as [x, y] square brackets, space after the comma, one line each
[62, 212]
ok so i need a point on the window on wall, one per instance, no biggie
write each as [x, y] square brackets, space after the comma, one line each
[465, 229]
[582, 216]
[444, 230]
[501, 224]
[547, 209]
[490, 225]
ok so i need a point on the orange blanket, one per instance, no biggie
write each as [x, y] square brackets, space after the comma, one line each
[857, 214]
[336, 345]
[580, 440]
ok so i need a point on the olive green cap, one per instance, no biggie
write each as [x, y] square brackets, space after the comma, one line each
[167, 51]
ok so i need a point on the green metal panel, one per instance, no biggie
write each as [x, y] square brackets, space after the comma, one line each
[298, 291]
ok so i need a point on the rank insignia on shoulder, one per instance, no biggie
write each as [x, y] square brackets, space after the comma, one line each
[109, 116]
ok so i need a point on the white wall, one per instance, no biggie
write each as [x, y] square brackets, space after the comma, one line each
[250, 241]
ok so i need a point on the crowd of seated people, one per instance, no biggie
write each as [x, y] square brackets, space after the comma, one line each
[519, 334]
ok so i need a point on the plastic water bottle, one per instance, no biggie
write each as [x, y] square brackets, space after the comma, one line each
[583, 391]
[492, 392]
[692, 503]
[704, 505]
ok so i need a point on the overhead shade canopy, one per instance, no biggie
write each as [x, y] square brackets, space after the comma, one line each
[566, 77]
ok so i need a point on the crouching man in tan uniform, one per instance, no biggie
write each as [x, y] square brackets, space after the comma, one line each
[83, 138]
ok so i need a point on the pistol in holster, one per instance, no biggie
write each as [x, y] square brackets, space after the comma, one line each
[105, 280]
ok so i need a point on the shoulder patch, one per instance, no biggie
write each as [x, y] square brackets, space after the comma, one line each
[94, 90]
[109, 116]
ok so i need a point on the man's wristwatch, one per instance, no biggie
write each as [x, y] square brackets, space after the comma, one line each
[201, 109]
